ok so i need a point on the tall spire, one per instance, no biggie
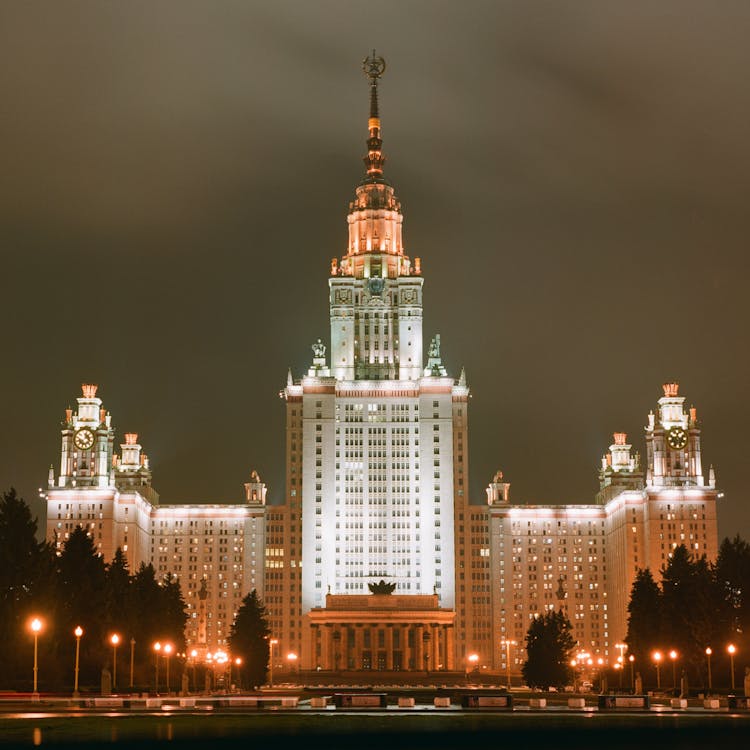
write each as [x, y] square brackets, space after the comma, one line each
[374, 67]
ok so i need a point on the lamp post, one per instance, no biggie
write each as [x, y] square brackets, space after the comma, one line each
[157, 649]
[657, 657]
[114, 639]
[471, 662]
[673, 656]
[271, 644]
[193, 657]
[238, 662]
[132, 659]
[631, 659]
[732, 649]
[600, 664]
[574, 665]
[618, 669]
[78, 632]
[36, 627]
[709, 651]
[507, 643]
[167, 651]
[291, 657]
[623, 647]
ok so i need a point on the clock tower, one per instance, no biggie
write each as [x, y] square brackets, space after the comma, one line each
[87, 443]
[673, 443]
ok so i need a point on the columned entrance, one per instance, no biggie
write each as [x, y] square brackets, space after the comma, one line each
[379, 632]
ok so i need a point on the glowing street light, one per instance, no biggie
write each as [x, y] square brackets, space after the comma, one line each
[732, 649]
[157, 649]
[114, 639]
[709, 651]
[507, 643]
[167, 652]
[271, 643]
[657, 657]
[238, 662]
[132, 659]
[291, 657]
[623, 647]
[78, 632]
[471, 662]
[36, 626]
[194, 657]
[631, 659]
[673, 656]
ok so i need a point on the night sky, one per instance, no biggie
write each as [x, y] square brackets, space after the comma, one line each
[176, 177]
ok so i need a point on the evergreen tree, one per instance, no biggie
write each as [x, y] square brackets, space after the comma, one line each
[82, 601]
[172, 614]
[22, 569]
[695, 611]
[249, 639]
[117, 594]
[549, 647]
[644, 617]
[732, 573]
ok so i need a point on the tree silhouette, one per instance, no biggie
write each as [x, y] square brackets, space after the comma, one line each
[549, 645]
[249, 639]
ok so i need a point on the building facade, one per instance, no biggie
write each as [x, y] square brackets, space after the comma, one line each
[216, 551]
[376, 441]
[584, 558]
[375, 558]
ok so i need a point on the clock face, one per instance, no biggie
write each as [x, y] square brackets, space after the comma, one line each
[84, 439]
[677, 438]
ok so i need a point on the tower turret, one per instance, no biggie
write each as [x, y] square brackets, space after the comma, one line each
[673, 442]
[375, 292]
[87, 441]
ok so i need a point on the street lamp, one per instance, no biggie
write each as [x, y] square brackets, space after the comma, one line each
[471, 662]
[271, 643]
[732, 649]
[167, 651]
[600, 663]
[132, 659]
[78, 632]
[623, 647]
[574, 665]
[36, 626]
[238, 662]
[618, 668]
[291, 657]
[657, 657]
[114, 639]
[193, 657]
[157, 649]
[673, 656]
[631, 659]
[507, 643]
[709, 651]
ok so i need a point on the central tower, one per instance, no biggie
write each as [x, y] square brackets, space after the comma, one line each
[376, 441]
[375, 291]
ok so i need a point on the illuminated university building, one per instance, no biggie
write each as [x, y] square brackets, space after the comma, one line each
[375, 558]
[216, 551]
